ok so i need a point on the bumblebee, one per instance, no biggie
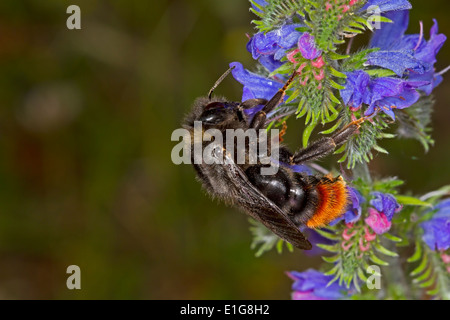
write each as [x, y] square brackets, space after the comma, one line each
[285, 201]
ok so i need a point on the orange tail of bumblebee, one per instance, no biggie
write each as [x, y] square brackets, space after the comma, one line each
[333, 200]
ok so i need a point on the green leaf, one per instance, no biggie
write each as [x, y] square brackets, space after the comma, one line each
[433, 292]
[428, 283]
[337, 56]
[380, 73]
[280, 245]
[417, 253]
[293, 96]
[421, 267]
[333, 270]
[424, 275]
[335, 85]
[290, 246]
[384, 19]
[332, 129]
[385, 251]
[329, 248]
[412, 201]
[328, 235]
[331, 259]
[356, 284]
[392, 238]
[380, 149]
[336, 73]
[377, 260]
[307, 133]
[361, 275]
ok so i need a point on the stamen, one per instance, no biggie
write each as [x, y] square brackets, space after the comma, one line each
[443, 71]
[349, 46]
[420, 36]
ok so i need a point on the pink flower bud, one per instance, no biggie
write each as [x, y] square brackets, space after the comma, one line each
[378, 221]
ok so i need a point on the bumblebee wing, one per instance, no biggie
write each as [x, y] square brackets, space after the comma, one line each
[261, 208]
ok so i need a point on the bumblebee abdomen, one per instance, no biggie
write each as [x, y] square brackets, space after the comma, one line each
[332, 201]
[322, 200]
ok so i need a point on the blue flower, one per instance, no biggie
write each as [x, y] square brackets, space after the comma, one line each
[385, 203]
[275, 42]
[407, 54]
[388, 5]
[356, 92]
[313, 285]
[353, 212]
[380, 94]
[386, 94]
[270, 47]
[397, 61]
[255, 86]
[389, 33]
[307, 47]
[437, 229]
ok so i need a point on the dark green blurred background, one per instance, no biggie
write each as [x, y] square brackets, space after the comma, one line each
[85, 171]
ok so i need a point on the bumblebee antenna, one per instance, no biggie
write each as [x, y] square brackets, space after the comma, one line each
[219, 81]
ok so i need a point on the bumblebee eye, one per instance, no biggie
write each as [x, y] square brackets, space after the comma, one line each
[214, 105]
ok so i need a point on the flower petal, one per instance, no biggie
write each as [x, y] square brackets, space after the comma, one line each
[390, 33]
[255, 86]
[378, 221]
[314, 284]
[388, 5]
[397, 61]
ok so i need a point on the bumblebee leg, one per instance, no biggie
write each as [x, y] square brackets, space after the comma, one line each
[259, 119]
[325, 146]
[251, 103]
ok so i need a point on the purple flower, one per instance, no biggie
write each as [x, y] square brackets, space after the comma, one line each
[397, 61]
[353, 212]
[385, 203]
[407, 54]
[386, 94]
[388, 5]
[255, 86]
[307, 47]
[356, 92]
[389, 33]
[274, 43]
[381, 94]
[270, 63]
[437, 229]
[313, 285]
[268, 48]
[385, 206]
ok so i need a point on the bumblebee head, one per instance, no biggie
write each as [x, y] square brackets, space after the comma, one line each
[219, 113]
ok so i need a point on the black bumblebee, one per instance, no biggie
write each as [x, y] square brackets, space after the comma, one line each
[284, 201]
